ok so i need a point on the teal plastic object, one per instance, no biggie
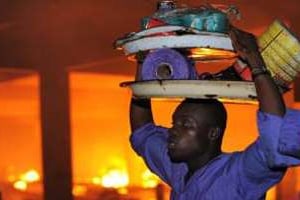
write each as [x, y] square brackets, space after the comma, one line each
[144, 22]
[202, 19]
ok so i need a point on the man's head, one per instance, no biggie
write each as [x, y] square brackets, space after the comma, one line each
[198, 127]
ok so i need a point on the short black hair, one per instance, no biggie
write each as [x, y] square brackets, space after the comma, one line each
[216, 111]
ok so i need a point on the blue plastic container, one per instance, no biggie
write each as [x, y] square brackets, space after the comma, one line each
[202, 19]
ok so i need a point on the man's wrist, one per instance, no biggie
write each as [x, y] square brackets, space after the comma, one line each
[255, 60]
[145, 103]
[257, 71]
[257, 64]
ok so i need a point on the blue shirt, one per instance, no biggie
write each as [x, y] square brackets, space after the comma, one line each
[245, 175]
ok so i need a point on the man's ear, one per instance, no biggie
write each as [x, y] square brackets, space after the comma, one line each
[214, 133]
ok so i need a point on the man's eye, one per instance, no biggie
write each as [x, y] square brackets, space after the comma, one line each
[184, 124]
[176, 124]
[187, 124]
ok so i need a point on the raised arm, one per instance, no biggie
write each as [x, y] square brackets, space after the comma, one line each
[264, 162]
[149, 141]
[140, 109]
[140, 113]
[269, 97]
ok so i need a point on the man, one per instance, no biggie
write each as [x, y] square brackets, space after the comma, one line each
[188, 156]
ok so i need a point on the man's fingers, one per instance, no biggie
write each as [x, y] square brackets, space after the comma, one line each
[235, 40]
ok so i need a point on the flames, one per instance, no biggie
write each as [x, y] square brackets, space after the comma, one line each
[113, 178]
[149, 180]
[30, 176]
[21, 183]
[116, 178]
[79, 190]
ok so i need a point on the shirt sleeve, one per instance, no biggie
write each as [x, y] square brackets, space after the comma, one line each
[150, 142]
[280, 138]
[264, 163]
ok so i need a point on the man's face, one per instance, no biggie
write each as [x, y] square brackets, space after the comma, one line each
[188, 137]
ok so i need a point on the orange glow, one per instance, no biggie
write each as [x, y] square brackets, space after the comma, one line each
[115, 178]
[20, 185]
[21, 149]
[30, 176]
[96, 180]
[149, 179]
[11, 178]
[100, 128]
[79, 190]
[271, 194]
[122, 190]
[25, 179]
[207, 54]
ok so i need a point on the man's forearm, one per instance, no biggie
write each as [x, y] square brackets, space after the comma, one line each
[140, 113]
[269, 97]
[140, 109]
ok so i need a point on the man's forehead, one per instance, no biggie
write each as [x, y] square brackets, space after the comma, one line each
[191, 107]
[190, 110]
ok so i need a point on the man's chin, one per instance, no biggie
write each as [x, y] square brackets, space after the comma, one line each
[174, 158]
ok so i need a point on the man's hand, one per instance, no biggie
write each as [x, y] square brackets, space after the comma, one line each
[246, 46]
[243, 42]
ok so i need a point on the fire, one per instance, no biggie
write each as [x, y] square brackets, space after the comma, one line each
[24, 179]
[115, 178]
[123, 190]
[30, 176]
[149, 180]
[79, 190]
[96, 180]
[20, 185]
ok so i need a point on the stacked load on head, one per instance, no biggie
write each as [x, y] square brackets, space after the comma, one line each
[173, 39]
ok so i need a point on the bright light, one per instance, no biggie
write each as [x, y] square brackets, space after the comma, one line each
[149, 180]
[30, 176]
[123, 191]
[96, 180]
[20, 185]
[115, 178]
[79, 190]
[208, 54]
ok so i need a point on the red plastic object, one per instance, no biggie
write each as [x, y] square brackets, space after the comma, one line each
[243, 70]
[154, 22]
